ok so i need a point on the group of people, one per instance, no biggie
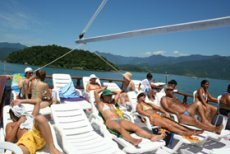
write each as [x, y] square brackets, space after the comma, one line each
[31, 132]
[31, 135]
[158, 115]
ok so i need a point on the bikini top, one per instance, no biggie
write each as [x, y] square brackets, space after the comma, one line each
[205, 96]
[105, 108]
[146, 107]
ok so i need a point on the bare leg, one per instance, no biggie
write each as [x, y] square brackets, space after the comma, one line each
[44, 128]
[194, 122]
[212, 112]
[139, 131]
[111, 124]
[172, 126]
[24, 149]
[44, 104]
[198, 107]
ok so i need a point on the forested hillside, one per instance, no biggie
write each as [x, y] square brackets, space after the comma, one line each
[41, 55]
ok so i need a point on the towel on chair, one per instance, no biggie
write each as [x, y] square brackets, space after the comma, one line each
[68, 91]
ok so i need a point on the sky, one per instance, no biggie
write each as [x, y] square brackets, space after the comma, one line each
[44, 22]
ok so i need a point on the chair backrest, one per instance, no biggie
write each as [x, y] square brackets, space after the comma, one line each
[136, 83]
[71, 119]
[194, 95]
[60, 80]
[11, 147]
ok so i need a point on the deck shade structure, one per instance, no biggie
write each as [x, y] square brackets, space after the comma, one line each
[189, 26]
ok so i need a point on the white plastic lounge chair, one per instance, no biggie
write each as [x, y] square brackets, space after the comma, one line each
[59, 81]
[10, 147]
[6, 119]
[112, 86]
[77, 134]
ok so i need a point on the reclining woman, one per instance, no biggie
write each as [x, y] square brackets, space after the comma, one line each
[30, 132]
[114, 122]
[163, 121]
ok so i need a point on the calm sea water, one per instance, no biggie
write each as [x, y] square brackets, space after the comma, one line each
[185, 84]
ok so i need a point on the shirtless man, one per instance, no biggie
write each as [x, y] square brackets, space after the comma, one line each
[186, 114]
[164, 121]
[40, 89]
[115, 122]
[225, 103]
[93, 85]
[24, 84]
[30, 132]
[204, 96]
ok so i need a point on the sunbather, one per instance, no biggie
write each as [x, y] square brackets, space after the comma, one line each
[186, 114]
[204, 96]
[24, 84]
[225, 103]
[30, 132]
[40, 89]
[115, 122]
[163, 121]
[93, 85]
[127, 84]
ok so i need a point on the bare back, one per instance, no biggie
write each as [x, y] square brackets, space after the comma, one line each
[38, 88]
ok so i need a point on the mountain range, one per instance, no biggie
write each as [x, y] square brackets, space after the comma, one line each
[7, 48]
[194, 65]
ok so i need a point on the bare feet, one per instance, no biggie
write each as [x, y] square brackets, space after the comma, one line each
[136, 141]
[55, 151]
[158, 137]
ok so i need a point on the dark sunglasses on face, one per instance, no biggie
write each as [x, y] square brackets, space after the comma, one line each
[29, 73]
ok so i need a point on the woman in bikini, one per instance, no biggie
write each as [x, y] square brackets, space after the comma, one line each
[114, 122]
[40, 89]
[204, 96]
[163, 121]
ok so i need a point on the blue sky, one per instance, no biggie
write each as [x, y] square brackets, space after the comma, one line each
[42, 22]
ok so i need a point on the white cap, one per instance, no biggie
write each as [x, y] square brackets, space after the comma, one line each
[28, 69]
[92, 76]
[18, 110]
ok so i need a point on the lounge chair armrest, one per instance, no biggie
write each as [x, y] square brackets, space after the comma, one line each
[128, 116]
[79, 91]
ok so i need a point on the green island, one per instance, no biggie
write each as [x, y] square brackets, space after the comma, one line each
[42, 55]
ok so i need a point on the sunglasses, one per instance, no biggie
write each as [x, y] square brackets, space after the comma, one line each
[29, 73]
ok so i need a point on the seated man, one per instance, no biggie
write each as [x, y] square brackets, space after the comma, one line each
[25, 83]
[204, 96]
[30, 132]
[115, 122]
[225, 103]
[163, 121]
[186, 114]
[93, 85]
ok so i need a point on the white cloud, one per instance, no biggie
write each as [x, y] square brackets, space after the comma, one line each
[179, 53]
[150, 53]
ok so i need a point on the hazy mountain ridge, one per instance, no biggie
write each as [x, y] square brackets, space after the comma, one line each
[7, 48]
[153, 60]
